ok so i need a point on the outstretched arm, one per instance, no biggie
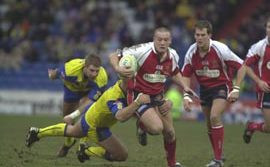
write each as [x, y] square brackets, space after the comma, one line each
[127, 112]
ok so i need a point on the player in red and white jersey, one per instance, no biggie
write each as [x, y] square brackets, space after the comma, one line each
[257, 66]
[157, 62]
[211, 62]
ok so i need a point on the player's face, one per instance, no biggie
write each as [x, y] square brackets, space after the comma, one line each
[202, 37]
[268, 29]
[91, 71]
[162, 40]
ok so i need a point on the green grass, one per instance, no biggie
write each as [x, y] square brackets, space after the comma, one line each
[193, 148]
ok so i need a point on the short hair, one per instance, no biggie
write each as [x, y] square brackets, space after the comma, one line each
[92, 59]
[162, 29]
[204, 24]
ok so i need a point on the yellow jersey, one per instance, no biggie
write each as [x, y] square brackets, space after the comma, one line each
[74, 79]
[102, 112]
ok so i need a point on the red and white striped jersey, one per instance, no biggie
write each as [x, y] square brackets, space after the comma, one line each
[215, 68]
[151, 74]
[258, 56]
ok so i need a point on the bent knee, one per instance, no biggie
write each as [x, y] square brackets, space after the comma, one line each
[155, 130]
[215, 119]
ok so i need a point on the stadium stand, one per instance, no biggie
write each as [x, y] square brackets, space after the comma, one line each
[36, 35]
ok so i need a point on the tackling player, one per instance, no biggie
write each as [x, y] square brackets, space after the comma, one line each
[84, 81]
[95, 123]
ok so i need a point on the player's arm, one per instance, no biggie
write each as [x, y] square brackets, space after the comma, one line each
[234, 94]
[114, 61]
[262, 84]
[127, 112]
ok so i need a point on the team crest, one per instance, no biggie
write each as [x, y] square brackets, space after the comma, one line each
[268, 65]
[97, 95]
[119, 105]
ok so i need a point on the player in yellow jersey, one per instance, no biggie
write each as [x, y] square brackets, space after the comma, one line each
[84, 81]
[95, 123]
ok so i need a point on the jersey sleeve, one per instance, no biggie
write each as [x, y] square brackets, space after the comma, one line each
[253, 55]
[115, 106]
[175, 61]
[231, 59]
[187, 69]
[102, 79]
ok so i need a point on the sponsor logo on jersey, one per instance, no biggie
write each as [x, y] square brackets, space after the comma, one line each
[155, 78]
[206, 72]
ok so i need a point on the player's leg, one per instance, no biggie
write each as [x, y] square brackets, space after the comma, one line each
[217, 130]
[110, 148]
[70, 104]
[206, 110]
[251, 127]
[68, 107]
[169, 139]
[148, 122]
[151, 121]
[61, 129]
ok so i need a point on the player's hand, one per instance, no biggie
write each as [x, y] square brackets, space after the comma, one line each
[125, 72]
[191, 93]
[165, 107]
[187, 102]
[142, 99]
[52, 73]
[264, 86]
[234, 94]
[67, 119]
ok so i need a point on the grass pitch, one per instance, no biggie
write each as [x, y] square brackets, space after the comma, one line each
[193, 148]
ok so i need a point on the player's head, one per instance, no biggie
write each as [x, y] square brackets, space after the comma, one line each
[267, 27]
[92, 65]
[202, 33]
[162, 39]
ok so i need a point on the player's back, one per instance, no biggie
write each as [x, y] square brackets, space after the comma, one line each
[102, 112]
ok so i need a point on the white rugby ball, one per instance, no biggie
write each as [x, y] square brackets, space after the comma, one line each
[129, 61]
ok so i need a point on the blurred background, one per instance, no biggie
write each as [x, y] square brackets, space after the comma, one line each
[39, 34]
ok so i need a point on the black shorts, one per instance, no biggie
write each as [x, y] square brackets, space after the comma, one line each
[156, 100]
[263, 100]
[207, 95]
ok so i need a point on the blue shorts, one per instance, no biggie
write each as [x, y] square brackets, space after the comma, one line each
[70, 96]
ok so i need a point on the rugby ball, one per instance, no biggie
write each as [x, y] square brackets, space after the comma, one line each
[129, 61]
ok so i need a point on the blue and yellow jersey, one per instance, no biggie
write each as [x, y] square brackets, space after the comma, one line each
[102, 112]
[75, 80]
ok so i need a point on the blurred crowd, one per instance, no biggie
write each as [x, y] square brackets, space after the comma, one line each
[52, 31]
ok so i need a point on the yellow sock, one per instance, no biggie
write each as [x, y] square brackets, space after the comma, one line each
[95, 151]
[84, 140]
[69, 141]
[54, 130]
